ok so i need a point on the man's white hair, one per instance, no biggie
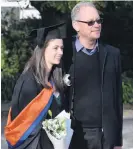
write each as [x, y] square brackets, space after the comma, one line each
[76, 9]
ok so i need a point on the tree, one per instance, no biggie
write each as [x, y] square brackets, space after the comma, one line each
[118, 29]
[53, 11]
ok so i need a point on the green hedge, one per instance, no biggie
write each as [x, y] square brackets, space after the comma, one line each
[12, 64]
[16, 49]
[127, 85]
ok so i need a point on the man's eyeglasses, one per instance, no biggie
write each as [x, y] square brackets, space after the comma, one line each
[90, 23]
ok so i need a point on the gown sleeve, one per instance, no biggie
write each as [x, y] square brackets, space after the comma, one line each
[25, 90]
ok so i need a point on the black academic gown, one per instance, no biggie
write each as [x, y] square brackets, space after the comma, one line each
[25, 90]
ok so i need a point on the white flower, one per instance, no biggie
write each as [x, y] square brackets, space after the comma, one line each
[56, 127]
[66, 80]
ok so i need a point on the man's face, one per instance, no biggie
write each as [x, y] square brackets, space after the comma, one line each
[92, 30]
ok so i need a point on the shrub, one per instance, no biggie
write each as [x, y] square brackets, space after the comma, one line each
[127, 85]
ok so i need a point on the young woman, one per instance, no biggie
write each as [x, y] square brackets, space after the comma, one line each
[39, 89]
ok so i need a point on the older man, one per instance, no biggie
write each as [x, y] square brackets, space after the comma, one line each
[96, 91]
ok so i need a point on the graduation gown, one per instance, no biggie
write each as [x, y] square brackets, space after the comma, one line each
[28, 97]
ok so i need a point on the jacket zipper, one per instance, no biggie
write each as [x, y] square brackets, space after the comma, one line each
[102, 88]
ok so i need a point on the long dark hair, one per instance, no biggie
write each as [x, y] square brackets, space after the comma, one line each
[37, 65]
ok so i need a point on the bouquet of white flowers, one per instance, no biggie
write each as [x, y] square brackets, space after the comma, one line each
[59, 130]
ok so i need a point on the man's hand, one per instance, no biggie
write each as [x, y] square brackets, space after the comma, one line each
[117, 147]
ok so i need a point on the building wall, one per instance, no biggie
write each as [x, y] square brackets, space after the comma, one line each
[15, 11]
[21, 10]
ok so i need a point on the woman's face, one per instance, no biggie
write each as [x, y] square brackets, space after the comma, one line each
[53, 52]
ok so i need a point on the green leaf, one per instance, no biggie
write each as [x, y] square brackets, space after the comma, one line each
[50, 113]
